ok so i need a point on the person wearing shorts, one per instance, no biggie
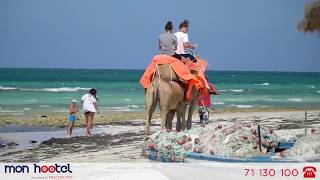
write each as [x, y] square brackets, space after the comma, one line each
[72, 117]
[90, 107]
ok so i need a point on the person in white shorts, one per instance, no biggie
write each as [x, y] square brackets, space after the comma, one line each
[89, 102]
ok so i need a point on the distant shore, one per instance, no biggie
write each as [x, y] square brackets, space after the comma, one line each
[60, 120]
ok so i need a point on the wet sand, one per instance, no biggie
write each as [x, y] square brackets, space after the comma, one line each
[60, 120]
[122, 141]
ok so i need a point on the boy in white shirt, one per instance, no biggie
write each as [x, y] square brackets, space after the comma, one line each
[183, 41]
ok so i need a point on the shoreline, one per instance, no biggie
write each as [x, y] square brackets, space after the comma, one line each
[51, 120]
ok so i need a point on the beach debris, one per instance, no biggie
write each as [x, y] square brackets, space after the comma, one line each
[239, 140]
[305, 147]
[2, 145]
[11, 144]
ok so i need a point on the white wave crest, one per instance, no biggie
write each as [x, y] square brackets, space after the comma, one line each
[295, 99]
[236, 90]
[262, 84]
[133, 106]
[218, 103]
[241, 106]
[7, 88]
[61, 89]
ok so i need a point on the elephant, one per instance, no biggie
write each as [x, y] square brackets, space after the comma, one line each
[166, 92]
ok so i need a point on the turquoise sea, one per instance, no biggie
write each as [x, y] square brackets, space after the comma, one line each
[32, 90]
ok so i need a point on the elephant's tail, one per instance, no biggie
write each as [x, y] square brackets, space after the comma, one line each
[155, 92]
[156, 82]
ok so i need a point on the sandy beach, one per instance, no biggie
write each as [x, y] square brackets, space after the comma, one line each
[120, 140]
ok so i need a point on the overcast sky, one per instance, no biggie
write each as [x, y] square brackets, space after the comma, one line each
[257, 35]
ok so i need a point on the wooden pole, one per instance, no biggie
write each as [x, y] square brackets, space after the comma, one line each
[305, 121]
[259, 134]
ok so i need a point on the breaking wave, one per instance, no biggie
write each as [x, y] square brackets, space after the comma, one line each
[241, 106]
[236, 90]
[61, 89]
[295, 99]
[218, 103]
[134, 106]
[7, 88]
[262, 84]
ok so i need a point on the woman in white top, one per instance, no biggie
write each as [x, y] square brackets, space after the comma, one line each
[89, 102]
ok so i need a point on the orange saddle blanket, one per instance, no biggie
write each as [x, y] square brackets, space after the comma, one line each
[182, 70]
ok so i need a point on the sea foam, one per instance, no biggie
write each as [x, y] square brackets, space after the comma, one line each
[7, 88]
[133, 106]
[262, 84]
[295, 99]
[241, 106]
[61, 89]
[218, 103]
[236, 90]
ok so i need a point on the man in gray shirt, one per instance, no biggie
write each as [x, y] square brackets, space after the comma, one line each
[168, 42]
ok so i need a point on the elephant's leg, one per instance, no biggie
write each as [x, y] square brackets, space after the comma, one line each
[190, 113]
[150, 110]
[164, 110]
[164, 101]
[178, 124]
[179, 110]
[183, 117]
[170, 119]
[151, 103]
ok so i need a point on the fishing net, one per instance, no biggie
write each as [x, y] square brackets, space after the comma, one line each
[239, 140]
[305, 147]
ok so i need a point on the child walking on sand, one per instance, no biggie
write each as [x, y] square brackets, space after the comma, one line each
[72, 116]
[89, 102]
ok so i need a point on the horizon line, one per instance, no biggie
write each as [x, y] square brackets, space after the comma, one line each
[136, 69]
